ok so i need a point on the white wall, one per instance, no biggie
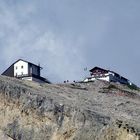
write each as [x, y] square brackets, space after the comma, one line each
[21, 69]
[105, 78]
[18, 70]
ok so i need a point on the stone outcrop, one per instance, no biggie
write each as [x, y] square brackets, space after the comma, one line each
[78, 111]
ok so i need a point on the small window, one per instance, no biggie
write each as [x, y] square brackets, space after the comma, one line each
[22, 67]
[16, 67]
[21, 73]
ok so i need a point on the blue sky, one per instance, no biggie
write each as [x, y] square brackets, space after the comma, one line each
[65, 36]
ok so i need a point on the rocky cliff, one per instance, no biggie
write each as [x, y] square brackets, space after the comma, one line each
[78, 111]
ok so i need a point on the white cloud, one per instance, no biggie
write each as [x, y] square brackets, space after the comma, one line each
[67, 36]
[60, 55]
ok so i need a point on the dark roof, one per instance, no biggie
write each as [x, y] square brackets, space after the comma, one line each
[24, 61]
[27, 62]
[103, 70]
[99, 69]
[9, 71]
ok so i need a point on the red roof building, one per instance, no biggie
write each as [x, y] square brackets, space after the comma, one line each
[106, 75]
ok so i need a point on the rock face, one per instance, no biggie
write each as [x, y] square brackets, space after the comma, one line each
[79, 111]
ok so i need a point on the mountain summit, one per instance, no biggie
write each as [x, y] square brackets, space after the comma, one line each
[96, 110]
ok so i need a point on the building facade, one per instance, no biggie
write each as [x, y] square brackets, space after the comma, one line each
[106, 75]
[25, 70]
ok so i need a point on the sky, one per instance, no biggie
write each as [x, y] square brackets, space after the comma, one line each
[67, 36]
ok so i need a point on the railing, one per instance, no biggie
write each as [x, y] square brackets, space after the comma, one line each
[33, 75]
[23, 75]
[26, 75]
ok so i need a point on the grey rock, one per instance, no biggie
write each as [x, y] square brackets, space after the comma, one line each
[77, 111]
